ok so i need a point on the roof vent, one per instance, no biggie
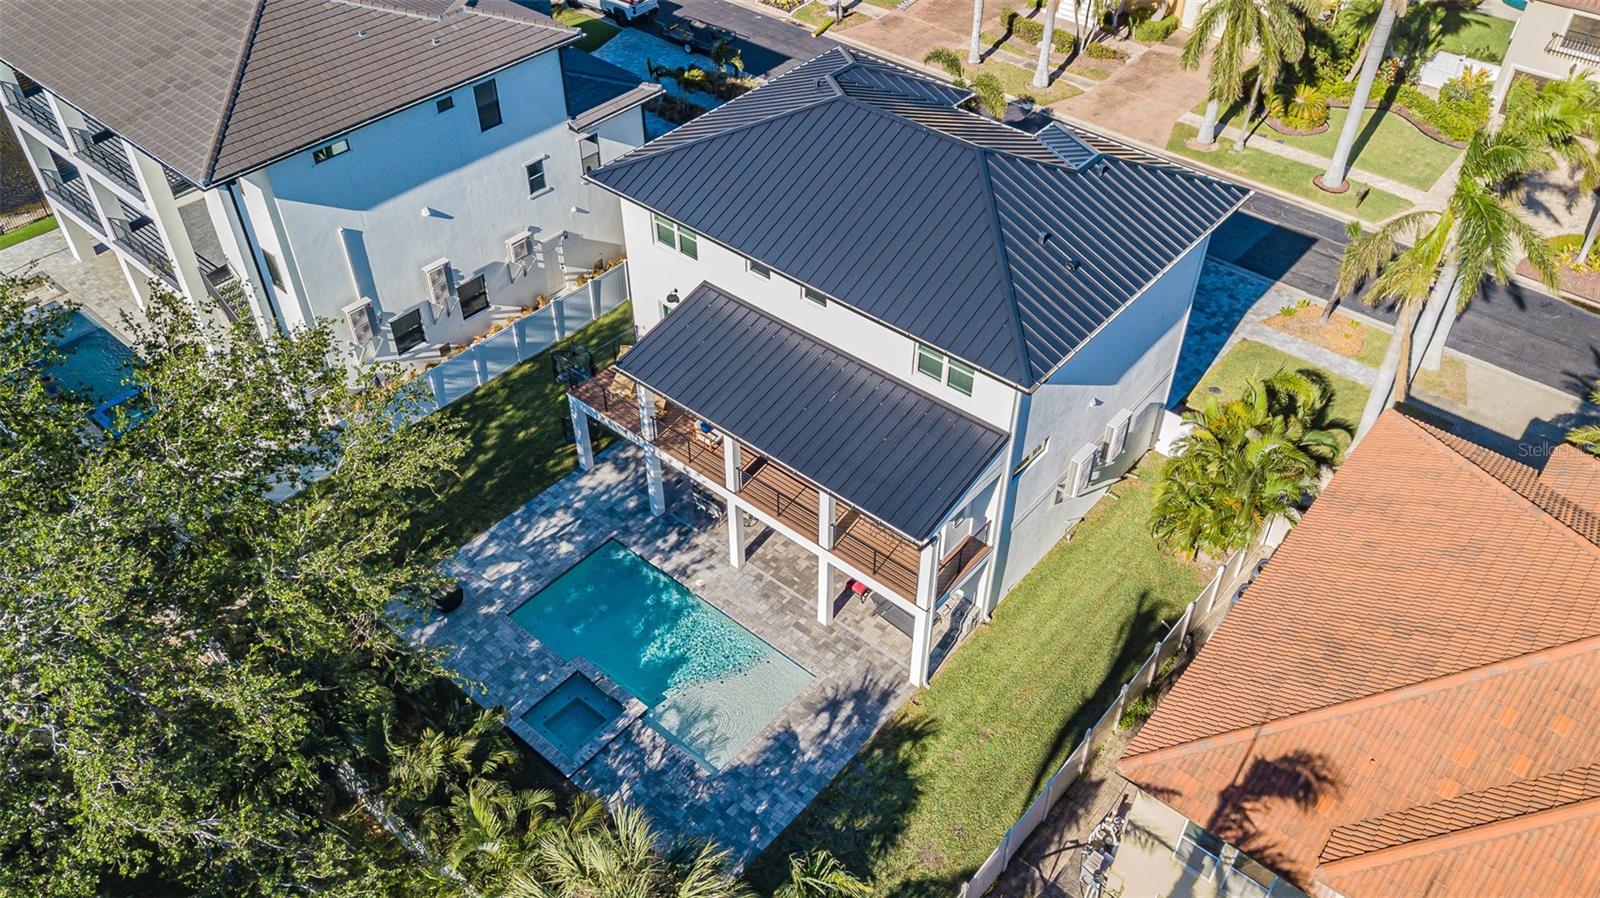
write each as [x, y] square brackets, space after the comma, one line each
[1104, 168]
[436, 42]
[1072, 265]
[1044, 238]
[360, 35]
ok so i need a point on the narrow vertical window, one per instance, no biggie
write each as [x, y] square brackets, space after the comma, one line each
[536, 180]
[488, 98]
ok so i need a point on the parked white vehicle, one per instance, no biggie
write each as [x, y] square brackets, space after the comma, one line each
[621, 10]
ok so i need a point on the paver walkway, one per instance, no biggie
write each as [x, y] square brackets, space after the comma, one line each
[1141, 99]
[97, 285]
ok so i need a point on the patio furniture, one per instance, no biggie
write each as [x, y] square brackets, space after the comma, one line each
[707, 435]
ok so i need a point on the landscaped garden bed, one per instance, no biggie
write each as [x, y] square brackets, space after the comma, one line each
[1341, 334]
[1250, 362]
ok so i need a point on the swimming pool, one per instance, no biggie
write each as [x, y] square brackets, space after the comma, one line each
[94, 364]
[572, 714]
[1221, 298]
[710, 684]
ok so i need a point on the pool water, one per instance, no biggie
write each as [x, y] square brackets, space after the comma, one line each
[1221, 298]
[94, 364]
[571, 714]
[710, 684]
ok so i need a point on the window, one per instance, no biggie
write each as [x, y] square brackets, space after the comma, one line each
[536, 181]
[439, 283]
[1033, 455]
[1199, 850]
[589, 150]
[407, 330]
[680, 238]
[273, 271]
[757, 269]
[1585, 29]
[488, 99]
[959, 376]
[474, 297]
[445, 104]
[821, 300]
[323, 154]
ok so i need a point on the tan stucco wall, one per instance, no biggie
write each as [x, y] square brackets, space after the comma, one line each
[1527, 51]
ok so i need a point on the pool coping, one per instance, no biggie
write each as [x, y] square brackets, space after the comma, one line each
[632, 709]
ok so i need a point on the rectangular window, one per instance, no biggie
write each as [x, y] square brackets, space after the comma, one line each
[1033, 455]
[536, 181]
[407, 330]
[323, 154]
[273, 271]
[757, 269]
[488, 99]
[816, 297]
[589, 151]
[473, 296]
[1200, 851]
[959, 376]
[445, 104]
[680, 238]
[1585, 29]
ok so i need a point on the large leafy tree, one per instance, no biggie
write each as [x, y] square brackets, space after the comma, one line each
[1274, 29]
[183, 654]
[1245, 461]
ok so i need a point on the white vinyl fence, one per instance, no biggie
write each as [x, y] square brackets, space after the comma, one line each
[1198, 619]
[526, 337]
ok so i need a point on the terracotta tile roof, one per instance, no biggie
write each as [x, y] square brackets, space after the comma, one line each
[1583, 5]
[1574, 474]
[1412, 674]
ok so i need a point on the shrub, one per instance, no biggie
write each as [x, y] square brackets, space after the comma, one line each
[1102, 51]
[786, 5]
[946, 59]
[1156, 30]
[1304, 110]
[1471, 87]
[1455, 120]
[1136, 712]
[1032, 31]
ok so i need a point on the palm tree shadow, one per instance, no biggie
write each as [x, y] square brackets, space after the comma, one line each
[1302, 778]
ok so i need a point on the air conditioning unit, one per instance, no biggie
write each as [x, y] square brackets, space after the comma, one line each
[1117, 434]
[1080, 471]
[520, 253]
[441, 287]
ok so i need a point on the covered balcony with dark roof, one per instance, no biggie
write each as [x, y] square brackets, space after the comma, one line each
[881, 483]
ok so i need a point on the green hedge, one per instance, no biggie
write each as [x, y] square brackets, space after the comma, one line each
[1156, 30]
[1032, 31]
[1456, 120]
[1104, 51]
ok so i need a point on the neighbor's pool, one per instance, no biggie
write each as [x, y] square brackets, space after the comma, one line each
[1221, 298]
[710, 684]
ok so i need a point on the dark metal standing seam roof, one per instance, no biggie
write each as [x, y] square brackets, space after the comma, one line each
[974, 237]
[216, 88]
[897, 454]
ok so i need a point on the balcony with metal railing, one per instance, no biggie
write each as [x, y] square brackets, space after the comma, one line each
[32, 106]
[107, 153]
[139, 238]
[1575, 45]
[73, 194]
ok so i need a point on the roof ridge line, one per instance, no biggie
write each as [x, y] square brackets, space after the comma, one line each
[215, 152]
[1493, 829]
[1545, 491]
[1012, 304]
[1498, 667]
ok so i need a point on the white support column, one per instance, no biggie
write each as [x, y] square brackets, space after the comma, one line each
[735, 535]
[654, 482]
[79, 242]
[647, 414]
[927, 574]
[825, 593]
[580, 435]
[731, 463]
[921, 645]
[825, 515]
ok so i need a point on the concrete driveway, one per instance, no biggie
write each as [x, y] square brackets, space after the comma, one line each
[1141, 99]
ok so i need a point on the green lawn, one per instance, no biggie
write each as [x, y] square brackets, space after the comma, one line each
[28, 231]
[1018, 82]
[1394, 148]
[1249, 361]
[517, 445]
[1476, 35]
[814, 14]
[934, 791]
[1287, 175]
[596, 29]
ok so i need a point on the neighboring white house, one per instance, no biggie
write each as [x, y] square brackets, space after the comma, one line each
[1551, 41]
[403, 168]
[917, 342]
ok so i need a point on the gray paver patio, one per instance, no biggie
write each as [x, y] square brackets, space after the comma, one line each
[744, 806]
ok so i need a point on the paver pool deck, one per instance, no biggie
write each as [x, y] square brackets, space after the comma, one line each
[859, 676]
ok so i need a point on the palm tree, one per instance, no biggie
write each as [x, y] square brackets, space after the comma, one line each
[1333, 178]
[1587, 436]
[818, 874]
[1272, 27]
[489, 831]
[973, 55]
[623, 860]
[1245, 462]
[1478, 235]
[425, 771]
[1563, 115]
[1041, 72]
